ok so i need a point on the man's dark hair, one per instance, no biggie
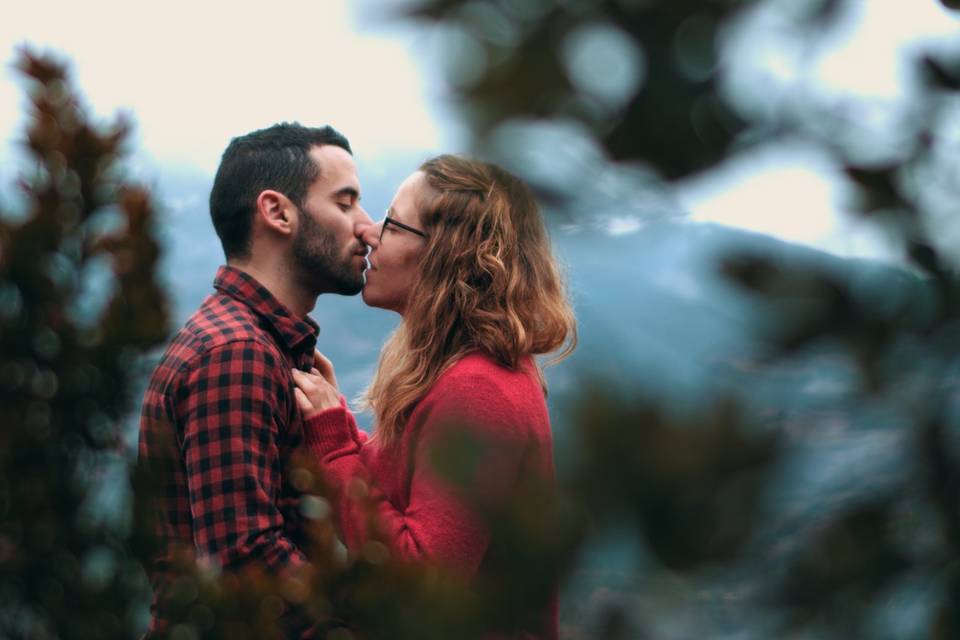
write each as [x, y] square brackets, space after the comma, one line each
[277, 158]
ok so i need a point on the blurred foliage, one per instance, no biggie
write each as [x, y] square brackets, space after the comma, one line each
[614, 66]
[692, 487]
[648, 82]
[79, 303]
[644, 78]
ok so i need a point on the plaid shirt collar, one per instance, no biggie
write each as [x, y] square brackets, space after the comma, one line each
[298, 335]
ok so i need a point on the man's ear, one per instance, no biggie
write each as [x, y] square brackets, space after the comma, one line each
[276, 212]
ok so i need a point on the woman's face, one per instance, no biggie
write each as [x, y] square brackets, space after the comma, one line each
[394, 256]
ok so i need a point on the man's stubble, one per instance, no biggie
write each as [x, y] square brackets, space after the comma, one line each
[320, 261]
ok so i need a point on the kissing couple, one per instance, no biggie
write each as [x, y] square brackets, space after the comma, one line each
[462, 256]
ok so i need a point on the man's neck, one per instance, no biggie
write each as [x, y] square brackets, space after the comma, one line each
[282, 285]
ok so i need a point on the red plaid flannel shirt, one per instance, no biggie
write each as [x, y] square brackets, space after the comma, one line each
[218, 425]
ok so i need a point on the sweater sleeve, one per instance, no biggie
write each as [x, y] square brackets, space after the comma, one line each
[440, 523]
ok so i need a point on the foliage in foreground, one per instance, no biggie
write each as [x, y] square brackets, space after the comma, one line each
[692, 488]
[79, 303]
[654, 85]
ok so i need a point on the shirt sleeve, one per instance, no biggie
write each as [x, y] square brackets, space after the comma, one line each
[440, 523]
[231, 423]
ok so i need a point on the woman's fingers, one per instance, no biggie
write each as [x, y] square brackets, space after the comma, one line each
[304, 380]
[306, 407]
[324, 367]
[322, 362]
[318, 394]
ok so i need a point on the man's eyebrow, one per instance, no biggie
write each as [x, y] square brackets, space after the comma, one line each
[347, 191]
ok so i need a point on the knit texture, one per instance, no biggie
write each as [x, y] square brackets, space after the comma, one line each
[424, 517]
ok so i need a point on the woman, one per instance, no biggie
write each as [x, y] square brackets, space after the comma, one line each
[464, 258]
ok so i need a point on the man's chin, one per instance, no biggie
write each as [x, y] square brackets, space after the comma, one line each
[344, 285]
[349, 288]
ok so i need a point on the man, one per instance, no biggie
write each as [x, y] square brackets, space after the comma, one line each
[219, 419]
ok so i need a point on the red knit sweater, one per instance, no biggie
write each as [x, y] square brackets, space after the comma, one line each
[423, 518]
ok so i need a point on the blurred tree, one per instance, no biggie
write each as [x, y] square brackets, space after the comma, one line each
[645, 80]
[79, 303]
[649, 83]
[615, 67]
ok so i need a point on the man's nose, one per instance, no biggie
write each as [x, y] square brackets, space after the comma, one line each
[361, 222]
[363, 219]
[370, 234]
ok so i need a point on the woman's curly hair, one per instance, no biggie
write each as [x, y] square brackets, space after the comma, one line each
[487, 282]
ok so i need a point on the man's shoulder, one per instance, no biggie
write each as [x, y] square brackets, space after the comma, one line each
[221, 319]
[221, 323]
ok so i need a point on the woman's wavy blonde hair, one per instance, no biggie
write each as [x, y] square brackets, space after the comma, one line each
[487, 282]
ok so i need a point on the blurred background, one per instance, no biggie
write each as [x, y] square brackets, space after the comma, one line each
[755, 205]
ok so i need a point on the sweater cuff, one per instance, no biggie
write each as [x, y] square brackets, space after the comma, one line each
[330, 430]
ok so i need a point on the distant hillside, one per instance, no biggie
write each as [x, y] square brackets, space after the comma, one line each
[657, 320]
[653, 311]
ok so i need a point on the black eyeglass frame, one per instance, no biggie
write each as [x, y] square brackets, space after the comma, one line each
[388, 220]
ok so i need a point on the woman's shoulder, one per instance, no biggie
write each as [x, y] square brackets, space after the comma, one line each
[478, 366]
[479, 390]
[478, 377]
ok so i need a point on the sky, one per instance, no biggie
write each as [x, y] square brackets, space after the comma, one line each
[194, 74]
[793, 192]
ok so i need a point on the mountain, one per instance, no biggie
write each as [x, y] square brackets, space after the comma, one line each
[657, 320]
[654, 313]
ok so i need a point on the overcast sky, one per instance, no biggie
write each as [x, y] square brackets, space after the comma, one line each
[193, 74]
[794, 193]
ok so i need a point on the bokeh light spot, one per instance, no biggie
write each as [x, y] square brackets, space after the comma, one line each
[604, 62]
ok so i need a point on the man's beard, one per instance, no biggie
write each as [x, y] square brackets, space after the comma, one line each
[315, 254]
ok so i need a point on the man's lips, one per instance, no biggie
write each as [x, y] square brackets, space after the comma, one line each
[362, 253]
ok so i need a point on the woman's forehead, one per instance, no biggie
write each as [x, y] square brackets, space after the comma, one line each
[411, 195]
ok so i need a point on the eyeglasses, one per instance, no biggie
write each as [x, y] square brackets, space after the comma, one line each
[387, 220]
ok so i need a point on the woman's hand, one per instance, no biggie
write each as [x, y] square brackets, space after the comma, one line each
[314, 393]
[323, 366]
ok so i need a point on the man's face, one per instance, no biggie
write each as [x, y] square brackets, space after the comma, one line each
[327, 250]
